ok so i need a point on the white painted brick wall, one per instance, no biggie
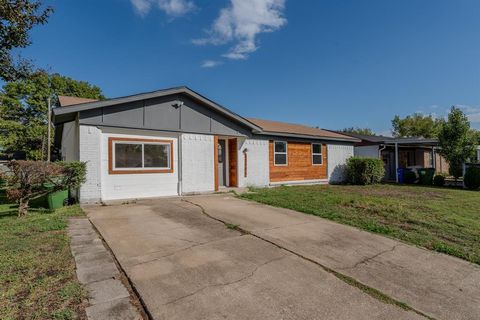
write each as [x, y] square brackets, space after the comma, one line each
[197, 163]
[137, 186]
[89, 151]
[258, 173]
[337, 160]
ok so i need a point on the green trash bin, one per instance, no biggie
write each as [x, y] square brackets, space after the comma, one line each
[52, 200]
[56, 200]
[426, 176]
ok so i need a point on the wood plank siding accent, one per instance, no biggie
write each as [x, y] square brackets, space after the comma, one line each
[232, 162]
[299, 164]
[215, 161]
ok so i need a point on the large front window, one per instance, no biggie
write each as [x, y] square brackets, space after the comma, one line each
[280, 153]
[139, 156]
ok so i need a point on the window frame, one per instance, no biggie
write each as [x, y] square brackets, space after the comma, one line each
[317, 154]
[112, 141]
[285, 153]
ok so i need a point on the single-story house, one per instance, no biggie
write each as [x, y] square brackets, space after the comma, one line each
[412, 153]
[176, 142]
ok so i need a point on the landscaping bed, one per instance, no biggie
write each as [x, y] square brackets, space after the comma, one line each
[440, 219]
[37, 271]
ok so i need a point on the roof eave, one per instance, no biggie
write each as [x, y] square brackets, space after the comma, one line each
[155, 94]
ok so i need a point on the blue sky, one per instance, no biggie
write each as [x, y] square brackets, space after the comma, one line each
[331, 63]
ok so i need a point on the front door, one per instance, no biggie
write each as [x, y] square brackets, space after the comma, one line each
[222, 182]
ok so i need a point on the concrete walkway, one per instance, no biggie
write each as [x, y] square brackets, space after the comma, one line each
[438, 285]
[108, 297]
[186, 265]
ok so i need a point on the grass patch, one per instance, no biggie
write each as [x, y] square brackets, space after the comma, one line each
[232, 226]
[37, 271]
[439, 219]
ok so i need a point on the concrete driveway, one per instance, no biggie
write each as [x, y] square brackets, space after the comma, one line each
[187, 265]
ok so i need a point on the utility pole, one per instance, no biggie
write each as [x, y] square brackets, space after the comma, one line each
[49, 128]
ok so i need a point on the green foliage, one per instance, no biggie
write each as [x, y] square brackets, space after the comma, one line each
[364, 171]
[439, 180]
[456, 141]
[37, 271]
[472, 178]
[23, 110]
[409, 177]
[28, 180]
[361, 131]
[416, 125]
[17, 18]
[74, 173]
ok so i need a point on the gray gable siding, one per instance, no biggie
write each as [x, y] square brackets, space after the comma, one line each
[162, 114]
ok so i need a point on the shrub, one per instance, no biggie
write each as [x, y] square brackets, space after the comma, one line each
[439, 180]
[28, 180]
[409, 177]
[363, 171]
[472, 178]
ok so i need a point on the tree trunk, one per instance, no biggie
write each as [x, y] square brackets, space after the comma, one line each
[22, 207]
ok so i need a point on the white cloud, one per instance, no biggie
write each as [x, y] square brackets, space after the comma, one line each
[210, 63]
[241, 22]
[174, 8]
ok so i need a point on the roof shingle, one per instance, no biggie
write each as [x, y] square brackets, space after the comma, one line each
[297, 129]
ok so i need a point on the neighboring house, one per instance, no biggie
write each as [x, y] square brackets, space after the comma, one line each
[175, 142]
[397, 153]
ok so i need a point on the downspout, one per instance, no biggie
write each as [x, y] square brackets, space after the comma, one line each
[380, 151]
[180, 141]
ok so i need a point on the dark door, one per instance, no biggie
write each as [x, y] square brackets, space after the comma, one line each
[232, 159]
[221, 164]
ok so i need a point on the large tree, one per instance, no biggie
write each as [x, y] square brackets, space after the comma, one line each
[23, 110]
[358, 130]
[416, 125]
[457, 141]
[17, 18]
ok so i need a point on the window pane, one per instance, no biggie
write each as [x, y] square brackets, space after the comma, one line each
[280, 146]
[156, 155]
[280, 159]
[128, 155]
[317, 148]
[317, 159]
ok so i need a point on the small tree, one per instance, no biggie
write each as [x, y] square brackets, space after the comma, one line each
[456, 141]
[28, 180]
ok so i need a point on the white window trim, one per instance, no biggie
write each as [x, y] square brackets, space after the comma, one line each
[285, 153]
[318, 154]
[142, 143]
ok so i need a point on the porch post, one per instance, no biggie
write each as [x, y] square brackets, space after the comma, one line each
[396, 161]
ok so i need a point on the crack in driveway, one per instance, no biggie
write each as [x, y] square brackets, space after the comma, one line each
[178, 251]
[246, 277]
[368, 259]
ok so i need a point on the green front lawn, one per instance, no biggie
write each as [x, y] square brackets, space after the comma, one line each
[37, 271]
[444, 220]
